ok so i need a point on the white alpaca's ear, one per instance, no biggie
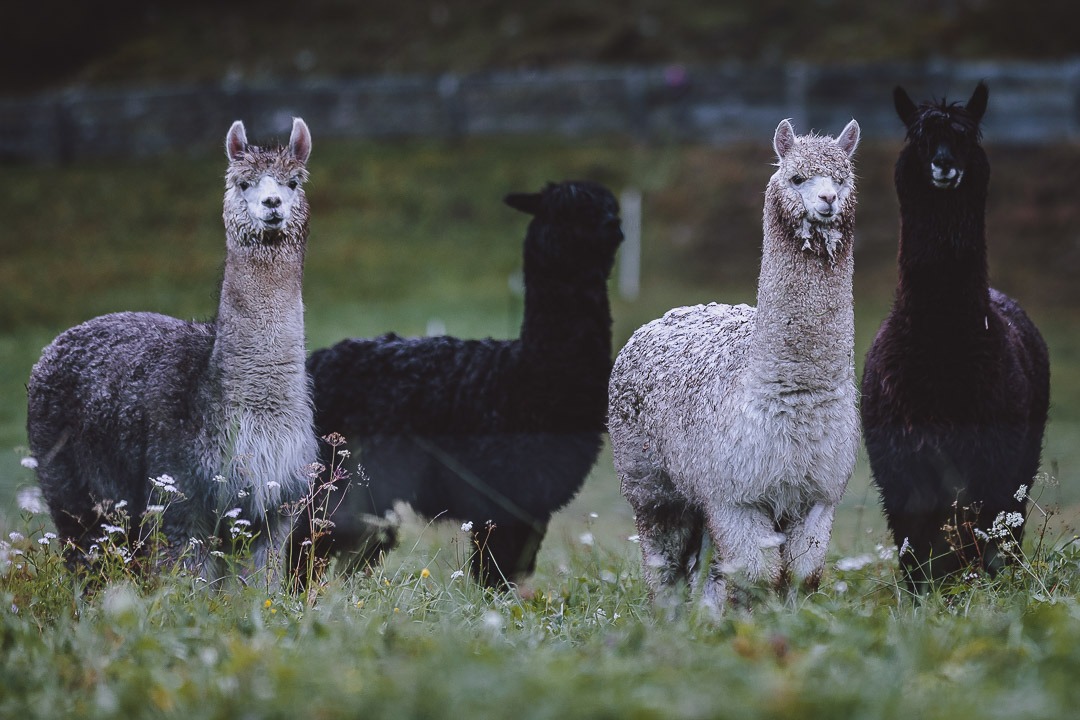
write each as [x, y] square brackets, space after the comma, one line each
[849, 138]
[236, 141]
[784, 138]
[300, 140]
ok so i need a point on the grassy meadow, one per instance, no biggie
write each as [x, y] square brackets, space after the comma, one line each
[411, 235]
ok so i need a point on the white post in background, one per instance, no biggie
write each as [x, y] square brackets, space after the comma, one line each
[630, 256]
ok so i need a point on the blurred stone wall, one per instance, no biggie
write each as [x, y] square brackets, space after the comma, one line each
[1029, 103]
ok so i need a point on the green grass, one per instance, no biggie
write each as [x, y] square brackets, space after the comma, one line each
[583, 643]
[403, 233]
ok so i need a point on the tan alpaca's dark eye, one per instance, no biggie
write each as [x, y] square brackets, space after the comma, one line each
[292, 184]
[243, 185]
[797, 179]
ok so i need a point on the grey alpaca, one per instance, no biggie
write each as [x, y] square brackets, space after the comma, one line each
[741, 423]
[223, 407]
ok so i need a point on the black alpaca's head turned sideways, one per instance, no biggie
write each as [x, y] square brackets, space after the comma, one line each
[264, 198]
[574, 223]
[944, 136]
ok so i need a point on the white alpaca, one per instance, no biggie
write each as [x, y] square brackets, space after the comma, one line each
[740, 422]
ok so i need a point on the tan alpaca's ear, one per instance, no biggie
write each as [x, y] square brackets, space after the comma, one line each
[236, 141]
[784, 138]
[300, 140]
[849, 138]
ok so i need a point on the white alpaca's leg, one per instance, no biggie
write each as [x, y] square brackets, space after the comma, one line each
[669, 529]
[746, 545]
[806, 546]
[670, 539]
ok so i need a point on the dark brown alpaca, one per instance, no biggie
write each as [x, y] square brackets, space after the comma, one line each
[957, 381]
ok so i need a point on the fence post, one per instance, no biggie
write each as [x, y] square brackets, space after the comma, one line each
[630, 257]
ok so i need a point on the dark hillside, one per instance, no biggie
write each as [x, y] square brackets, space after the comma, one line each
[125, 42]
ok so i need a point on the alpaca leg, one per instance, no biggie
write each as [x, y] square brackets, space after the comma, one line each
[925, 552]
[670, 538]
[506, 552]
[803, 554]
[747, 547]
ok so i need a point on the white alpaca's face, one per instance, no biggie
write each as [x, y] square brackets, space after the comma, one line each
[269, 200]
[823, 196]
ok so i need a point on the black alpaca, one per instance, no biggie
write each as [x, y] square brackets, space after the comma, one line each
[484, 430]
[957, 382]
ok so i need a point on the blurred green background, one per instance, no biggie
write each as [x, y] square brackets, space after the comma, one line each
[411, 233]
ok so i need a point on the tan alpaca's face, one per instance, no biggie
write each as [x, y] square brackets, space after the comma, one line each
[269, 199]
[264, 197]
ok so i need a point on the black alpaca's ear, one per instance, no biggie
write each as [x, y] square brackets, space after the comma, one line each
[300, 140]
[236, 141]
[529, 203]
[905, 107]
[977, 104]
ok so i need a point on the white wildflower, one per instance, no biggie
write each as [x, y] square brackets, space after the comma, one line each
[16, 536]
[840, 587]
[220, 479]
[155, 509]
[905, 547]
[31, 500]
[1014, 519]
[194, 543]
[885, 553]
[586, 538]
[344, 453]
[492, 620]
[29, 463]
[593, 515]
[273, 485]
[466, 526]
[169, 488]
[43, 541]
[1021, 494]
[856, 562]
[163, 481]
[111, 529]
[457, 574]
[120, 505]
[217, 553]
[241, 522]
[49, 536]
[981, 534]
[243, 494]
[234, 513]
